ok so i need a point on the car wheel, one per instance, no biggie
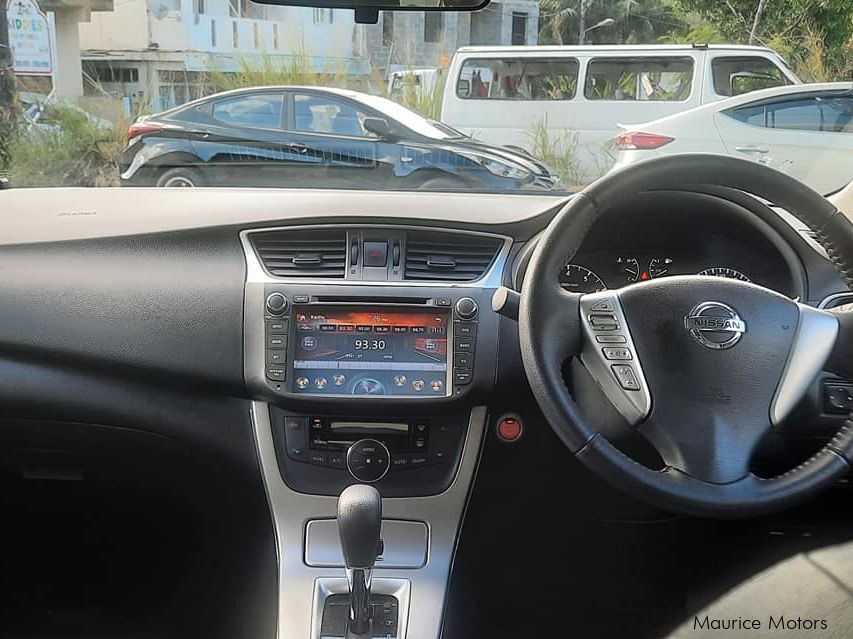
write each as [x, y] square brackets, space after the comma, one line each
[180, 178]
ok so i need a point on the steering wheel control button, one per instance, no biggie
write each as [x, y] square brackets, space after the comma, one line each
[368, 460]
[603, 322]
[626, 377]
[837, 398]
[466, 308]
[610, 339]
[604, 306]
[617, 353]
[509, 429]
[276, 303]
[715, 325]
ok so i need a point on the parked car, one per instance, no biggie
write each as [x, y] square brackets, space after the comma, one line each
[503, 94]
[805, 130]
[323, 137]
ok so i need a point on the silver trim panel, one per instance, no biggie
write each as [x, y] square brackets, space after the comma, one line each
[829, 299]
[633, 405]
[405, 544]
[290, 510]
[814, 340]
[490, 279]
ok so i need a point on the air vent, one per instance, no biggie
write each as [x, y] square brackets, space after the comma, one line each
[303, 253]
[449, 257]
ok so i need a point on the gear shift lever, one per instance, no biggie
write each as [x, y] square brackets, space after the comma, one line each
[359, 524]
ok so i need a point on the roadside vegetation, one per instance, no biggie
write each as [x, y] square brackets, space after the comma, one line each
[815, 36]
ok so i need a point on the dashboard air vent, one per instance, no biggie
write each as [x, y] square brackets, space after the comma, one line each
[449, 257]
[303, 253]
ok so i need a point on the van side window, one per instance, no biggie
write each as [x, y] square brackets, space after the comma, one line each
[830, 114]
[518, 79]
[643, 79]
[737, 75]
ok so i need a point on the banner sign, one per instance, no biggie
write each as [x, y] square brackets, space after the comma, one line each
[29, 37]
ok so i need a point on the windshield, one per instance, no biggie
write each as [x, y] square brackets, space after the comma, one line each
[543, 98]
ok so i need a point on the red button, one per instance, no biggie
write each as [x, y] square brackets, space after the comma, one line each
[509, 429]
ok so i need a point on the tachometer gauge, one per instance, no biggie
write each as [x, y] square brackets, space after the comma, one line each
[724, 271]
[579, 279]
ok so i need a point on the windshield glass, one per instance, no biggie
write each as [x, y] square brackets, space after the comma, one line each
[543, 97]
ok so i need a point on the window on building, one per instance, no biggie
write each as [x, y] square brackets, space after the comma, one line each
[259, 111]
[639, 79]
[235, 35]
[275, 36]
[199, 7]
[323, 15]
[519, 28]
[433, 26]
[234, 8]
[387, 28]
[518, 79]
[832, 114]
[108, 74]
[212, 32]
[256, 32]
[314, 114]
[737, 75]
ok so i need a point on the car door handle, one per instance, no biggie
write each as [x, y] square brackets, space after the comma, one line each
[298, 148]
[752, 149]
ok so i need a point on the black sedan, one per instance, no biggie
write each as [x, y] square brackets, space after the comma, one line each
[308, 136]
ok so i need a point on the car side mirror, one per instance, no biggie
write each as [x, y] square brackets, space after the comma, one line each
[379, 127]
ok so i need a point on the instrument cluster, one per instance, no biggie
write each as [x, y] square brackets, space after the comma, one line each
[591, 272]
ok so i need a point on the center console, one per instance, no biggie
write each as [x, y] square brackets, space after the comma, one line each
[375, 380]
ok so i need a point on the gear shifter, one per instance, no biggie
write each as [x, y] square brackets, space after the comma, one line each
[359, 524]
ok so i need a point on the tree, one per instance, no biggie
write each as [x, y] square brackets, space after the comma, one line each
[608, 21]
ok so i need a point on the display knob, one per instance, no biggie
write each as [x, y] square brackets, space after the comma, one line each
[368, 460]
[276, 303]
[466, 308]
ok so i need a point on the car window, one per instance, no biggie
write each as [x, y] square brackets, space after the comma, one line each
[518, 79]
[261, 110]
[663, 79]
[314, 114]
[832, 114]
[736, 75]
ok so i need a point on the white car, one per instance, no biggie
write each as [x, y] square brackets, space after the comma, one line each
[804, 130]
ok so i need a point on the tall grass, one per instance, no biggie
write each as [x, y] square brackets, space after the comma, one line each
[558, 150]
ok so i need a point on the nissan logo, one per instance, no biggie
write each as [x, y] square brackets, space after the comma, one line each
[715, 325]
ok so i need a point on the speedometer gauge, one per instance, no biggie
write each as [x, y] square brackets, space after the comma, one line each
[579, 279]
[723, 271]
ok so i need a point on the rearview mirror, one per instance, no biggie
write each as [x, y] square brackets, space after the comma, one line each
[379, 127]
[367, 11]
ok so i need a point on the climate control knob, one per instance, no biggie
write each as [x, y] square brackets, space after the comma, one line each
[466, 308]
[276, 303]
[368, 460]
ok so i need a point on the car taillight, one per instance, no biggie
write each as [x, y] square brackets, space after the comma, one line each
[140, 128]
[637, 140]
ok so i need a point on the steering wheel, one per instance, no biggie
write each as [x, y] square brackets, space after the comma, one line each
[703, 367]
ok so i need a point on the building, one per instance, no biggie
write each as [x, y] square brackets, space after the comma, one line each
[156, 53]
[403, 40]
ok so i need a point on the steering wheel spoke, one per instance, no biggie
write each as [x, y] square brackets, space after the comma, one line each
[841, 358]
[609, 354]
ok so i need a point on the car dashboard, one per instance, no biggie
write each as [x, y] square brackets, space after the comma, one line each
[320, 338]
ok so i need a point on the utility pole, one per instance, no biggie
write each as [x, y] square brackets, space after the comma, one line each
[581, 21]
[7, 85]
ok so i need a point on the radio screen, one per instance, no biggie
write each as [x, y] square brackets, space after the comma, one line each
[370, 351]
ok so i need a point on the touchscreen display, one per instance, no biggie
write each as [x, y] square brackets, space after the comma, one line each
[370, 351]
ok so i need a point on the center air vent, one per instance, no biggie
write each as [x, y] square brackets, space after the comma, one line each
[449, 257]
[303, 253]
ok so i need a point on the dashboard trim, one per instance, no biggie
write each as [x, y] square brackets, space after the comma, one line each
[492, 278]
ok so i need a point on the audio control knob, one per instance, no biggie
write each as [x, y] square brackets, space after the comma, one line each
[466, 308]
[368, 460]
[276, 303]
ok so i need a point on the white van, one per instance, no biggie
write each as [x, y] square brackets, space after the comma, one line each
[574, 97]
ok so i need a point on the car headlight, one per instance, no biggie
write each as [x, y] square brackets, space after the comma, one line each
[500, 168]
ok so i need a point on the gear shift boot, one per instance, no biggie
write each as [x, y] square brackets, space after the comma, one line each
[383, 618]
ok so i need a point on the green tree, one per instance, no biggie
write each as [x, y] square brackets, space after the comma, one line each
[609, 21]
